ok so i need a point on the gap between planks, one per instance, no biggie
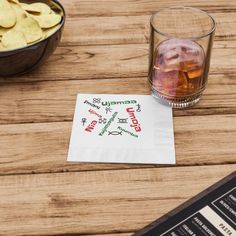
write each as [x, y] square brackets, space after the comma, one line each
[121, 167]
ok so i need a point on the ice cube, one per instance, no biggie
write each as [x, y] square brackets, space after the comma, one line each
[194, 74]
[179, 54]
[166, 82]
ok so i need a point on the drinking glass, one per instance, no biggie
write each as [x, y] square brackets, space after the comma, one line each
[180, 50]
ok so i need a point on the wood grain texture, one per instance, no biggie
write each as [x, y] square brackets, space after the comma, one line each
[84, 8]
[55, 101]
[97, 202]
[40, 148]
[114, 61]
[129, 29]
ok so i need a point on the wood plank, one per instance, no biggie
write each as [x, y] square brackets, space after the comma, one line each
[114, 61]
[97, 202]
[131, 7]
[86, 62]
[129, 29]
[40, 148]
[49, 101]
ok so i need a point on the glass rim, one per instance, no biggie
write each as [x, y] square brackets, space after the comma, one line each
[212, 30]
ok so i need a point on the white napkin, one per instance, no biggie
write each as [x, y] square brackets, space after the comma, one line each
[121, 129]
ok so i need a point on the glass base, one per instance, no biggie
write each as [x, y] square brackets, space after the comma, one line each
[177, 103]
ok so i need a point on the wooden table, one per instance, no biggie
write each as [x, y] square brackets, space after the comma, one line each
[105, 50]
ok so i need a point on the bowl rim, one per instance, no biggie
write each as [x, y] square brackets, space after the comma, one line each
[40, 41]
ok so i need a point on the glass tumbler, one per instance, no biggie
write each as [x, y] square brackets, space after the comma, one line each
[180, 50]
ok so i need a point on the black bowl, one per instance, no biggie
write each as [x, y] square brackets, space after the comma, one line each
[22, 60]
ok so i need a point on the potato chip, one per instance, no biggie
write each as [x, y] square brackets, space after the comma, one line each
[1, 46]
[47, 21]
[37, 7]
[24, 24]
[7, 14]
[50, 31]
[14, 1]
[13, 39]
[30, 28]
[20, 13]
[3, 31]
[29, 8]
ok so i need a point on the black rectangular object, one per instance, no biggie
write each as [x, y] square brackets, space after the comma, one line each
[212, 212]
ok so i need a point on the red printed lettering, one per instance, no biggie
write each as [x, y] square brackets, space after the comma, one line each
[91, 126]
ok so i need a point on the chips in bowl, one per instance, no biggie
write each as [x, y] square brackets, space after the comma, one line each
[23, 24]
[7, 15]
